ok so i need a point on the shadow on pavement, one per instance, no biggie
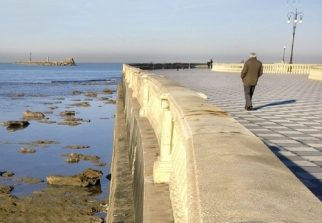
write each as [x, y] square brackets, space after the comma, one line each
[275, 103]
[311, 182]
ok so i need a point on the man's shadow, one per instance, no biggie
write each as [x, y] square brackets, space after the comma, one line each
[275, 103]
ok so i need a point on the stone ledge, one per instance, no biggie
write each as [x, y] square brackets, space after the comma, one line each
[316, 73]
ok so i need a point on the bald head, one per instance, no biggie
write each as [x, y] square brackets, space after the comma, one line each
[252, 55]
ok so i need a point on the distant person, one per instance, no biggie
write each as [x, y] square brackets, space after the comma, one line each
[211, 62]
[208, 64]
[252, 70]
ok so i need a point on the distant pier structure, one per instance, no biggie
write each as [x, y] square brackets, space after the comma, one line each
[67, 62]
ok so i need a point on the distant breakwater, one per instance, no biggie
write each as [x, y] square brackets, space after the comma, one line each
[158, 66]
[66, 62]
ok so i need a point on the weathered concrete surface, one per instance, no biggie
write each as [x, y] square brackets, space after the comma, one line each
[121, 205]
[152, 201]
[316, 73]
[138, 147]
[220, 172]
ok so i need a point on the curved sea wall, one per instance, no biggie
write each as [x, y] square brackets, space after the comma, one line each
[316, 73]
[267, 68]
[191, 162]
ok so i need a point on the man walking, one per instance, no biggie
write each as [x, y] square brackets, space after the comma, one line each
[252, 70]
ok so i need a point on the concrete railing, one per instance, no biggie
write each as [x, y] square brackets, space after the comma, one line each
[216, 169]
[316, 73]
[267, 68]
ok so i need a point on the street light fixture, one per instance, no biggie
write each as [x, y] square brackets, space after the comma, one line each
[283, 60]
[294, 18]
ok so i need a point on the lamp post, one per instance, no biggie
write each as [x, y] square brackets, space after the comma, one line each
[294, 18]
[283, 60]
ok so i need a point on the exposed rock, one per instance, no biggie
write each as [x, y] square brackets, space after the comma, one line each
[111, 101]
[73, 158]
[70, 123]
[27, 150]
[76, 92]
[53, 107]
[91, 94]
[89, 177]
[53, 204]
[108, 91]
[73, 119]
[70, 120]
[29, 180]
[77, 147]
[67, 113]
[107, 100]
[4, 189]
[40, 143]
[91, 157]
[76, 157]
[100, 163]
[109, 176]
[44, 142]
[69, 62]
[82, 104]
[15, 125]
[29, 115]
[6, 174]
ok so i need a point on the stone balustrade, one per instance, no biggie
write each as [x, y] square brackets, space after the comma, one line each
[217, 170]
[316, 73]
[278, 68]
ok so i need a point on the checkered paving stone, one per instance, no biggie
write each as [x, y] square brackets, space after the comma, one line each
[285, 153]
[287, 115]
[313, 158]
[300, 149]
[316, 135]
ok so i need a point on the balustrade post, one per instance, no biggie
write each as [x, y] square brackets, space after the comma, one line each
[135, 82]
[162, 167]
[145, 101]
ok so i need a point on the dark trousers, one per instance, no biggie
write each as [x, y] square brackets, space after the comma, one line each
[249, 91]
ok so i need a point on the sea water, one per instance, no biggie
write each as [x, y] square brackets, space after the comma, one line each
[50, 90]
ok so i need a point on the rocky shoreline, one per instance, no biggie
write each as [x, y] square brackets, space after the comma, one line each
[65, 198]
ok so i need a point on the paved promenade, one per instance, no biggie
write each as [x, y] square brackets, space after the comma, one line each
[288, 115]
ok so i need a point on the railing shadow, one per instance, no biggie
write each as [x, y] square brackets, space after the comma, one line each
[310, 181]
[274, 104]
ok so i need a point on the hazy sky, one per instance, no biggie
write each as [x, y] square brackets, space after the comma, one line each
[158, 31]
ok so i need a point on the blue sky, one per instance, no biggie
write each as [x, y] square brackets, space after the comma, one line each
[158, 31]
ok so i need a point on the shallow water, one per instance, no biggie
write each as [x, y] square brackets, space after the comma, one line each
[37, 88]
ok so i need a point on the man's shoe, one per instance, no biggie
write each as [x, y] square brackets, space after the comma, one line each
[250, 108]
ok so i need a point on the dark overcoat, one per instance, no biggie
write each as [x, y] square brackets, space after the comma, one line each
[252, 70]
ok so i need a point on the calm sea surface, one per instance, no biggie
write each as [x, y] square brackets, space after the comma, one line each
[49, 90]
